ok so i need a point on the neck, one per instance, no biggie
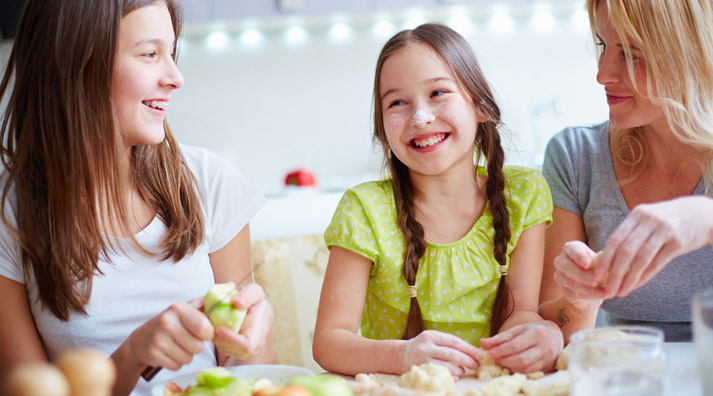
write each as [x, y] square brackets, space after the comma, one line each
[456, 185]
[665, 149]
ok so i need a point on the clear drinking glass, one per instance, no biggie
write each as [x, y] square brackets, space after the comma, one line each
[702, 312]
[617, 361]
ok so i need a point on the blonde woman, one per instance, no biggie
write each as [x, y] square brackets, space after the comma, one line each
[637, 188]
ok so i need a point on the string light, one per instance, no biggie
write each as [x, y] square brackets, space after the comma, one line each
[501, 22]
[217, 40]
[543, 20]
[384, 25]
[296, 34]
[340, 32]
[384, 28]
[460, 23]
[251, 37]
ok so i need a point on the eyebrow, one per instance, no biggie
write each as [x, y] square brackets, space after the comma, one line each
[156, 41]
[620, 45]
[429, 81]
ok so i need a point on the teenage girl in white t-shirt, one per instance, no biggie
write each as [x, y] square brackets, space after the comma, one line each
[111, 231]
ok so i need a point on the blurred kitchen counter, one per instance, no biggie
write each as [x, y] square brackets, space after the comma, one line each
[299, 211]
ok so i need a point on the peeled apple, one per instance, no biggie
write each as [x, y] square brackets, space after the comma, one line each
[225, 314]
[323, 385]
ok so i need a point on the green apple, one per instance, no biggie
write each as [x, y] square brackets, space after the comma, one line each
[224, 314]
[214, 377]
[323, 385]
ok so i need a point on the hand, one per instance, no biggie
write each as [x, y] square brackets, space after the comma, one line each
[172, 338]
[436, 347]
[526, 348]
[650, 237]
[575, 276]
[256, 325]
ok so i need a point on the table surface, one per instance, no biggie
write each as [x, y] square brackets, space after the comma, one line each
[682, 370]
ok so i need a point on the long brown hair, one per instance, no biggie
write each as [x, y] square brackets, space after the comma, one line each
[457, 55]
[64, 157]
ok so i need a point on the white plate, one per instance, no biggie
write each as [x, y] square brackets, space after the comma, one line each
[278, 374]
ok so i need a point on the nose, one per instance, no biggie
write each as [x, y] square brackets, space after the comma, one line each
[608, 72]
[172, 77]
[422, 118]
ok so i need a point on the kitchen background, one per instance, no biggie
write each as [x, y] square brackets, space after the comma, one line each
[278, 85]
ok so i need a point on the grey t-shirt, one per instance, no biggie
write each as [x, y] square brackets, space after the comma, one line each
[579, 170]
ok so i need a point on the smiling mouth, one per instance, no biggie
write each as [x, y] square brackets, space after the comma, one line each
[156, 104]
[429, 141]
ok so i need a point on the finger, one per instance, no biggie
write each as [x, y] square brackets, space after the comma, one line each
[257, 324]
[249, 296]
[624, 255]
[197, 303]
[578, 253]
[514, 346]
[453, 357]
[667, 253]
[234, 344]
[573, 289]
[170, 340]
[639, 264]
[456, 371]
[575, 268]
[456, 343]
[618, 237]
[520, 361]
[160, 359]
[501, 338]
[194, 321]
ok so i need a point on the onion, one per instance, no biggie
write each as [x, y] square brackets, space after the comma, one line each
[37, 379]
[88, 371]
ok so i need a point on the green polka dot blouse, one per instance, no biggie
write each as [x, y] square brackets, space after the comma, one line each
[456, 282]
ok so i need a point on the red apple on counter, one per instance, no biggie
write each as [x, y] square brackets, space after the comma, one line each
[300, 177]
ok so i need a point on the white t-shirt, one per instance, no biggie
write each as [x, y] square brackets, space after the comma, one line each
[134, 288]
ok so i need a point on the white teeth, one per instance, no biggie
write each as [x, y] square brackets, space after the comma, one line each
[156, 104]
[429, 142]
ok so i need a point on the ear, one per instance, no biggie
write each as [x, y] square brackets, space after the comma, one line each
[482, 115]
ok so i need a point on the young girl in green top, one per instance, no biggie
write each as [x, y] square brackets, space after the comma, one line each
[431, 262]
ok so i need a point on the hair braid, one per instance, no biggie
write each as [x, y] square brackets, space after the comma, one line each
[414, 238]
[489, 144]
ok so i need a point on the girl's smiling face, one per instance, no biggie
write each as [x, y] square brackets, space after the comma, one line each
[628, 108]
[145, 74]
[430, 122]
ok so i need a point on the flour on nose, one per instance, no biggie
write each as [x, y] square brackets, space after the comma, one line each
[420, 117]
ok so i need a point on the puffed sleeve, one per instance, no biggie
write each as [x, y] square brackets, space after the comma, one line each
[352, 229]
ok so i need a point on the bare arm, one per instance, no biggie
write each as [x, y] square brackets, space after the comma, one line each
[566, 226]
[526, 342]
[338, 348]
[254, 342]
[19, 341]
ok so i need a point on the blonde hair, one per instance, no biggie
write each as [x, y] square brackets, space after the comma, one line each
[676, 39]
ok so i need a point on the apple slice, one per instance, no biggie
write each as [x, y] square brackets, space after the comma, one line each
[221, 312]
[323, 385]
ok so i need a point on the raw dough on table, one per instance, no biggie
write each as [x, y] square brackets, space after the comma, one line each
[429, 377]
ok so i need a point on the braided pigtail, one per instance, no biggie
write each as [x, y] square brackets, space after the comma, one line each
[413, 237]
[489, 144]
